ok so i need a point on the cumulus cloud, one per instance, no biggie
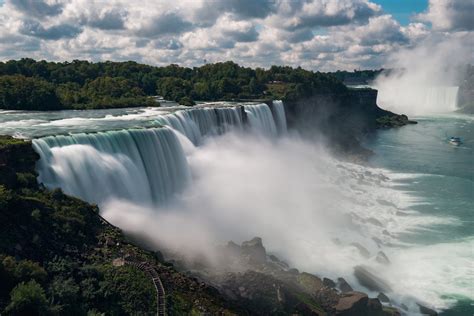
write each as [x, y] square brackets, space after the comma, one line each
[449, 15]
[38, 8]
[315, 34]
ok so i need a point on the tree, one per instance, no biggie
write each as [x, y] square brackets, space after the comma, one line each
[27, 299]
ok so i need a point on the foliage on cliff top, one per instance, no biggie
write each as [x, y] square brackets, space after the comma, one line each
[27, 84]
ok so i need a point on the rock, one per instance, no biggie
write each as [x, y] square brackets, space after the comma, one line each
[369, 280]
[404, 307]
[362, 250]
[343, 285]
[374, 221]
[281, 295]
[309, 282]
[254, 250]
[293, 271]
[327, 298]
[352, 303]
[383, 298]
[329, 283]
[382, 258]
[427, 311]
[374, 306]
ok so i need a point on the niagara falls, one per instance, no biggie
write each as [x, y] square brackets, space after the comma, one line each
[309, 157]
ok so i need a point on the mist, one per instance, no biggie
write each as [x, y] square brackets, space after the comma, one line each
[424, 79]
[307, 206]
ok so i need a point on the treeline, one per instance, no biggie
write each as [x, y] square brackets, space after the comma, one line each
[360, 77]
[41, 85]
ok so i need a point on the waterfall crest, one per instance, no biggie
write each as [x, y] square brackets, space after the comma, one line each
[145, 166]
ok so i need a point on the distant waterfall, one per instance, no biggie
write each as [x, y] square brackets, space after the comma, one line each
[142, 165]
[146, 166]
[417, 99]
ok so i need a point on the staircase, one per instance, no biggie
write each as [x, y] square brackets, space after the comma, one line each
[151, 272]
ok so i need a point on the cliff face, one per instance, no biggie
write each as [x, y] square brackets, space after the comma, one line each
[341, 119]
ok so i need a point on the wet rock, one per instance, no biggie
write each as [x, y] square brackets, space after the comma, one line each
[362, 250]
[329, 283]
[383, 298]
[369, 280]
[426, 310]
[352, 303]
[382, 258]
[374, 221]
[293, 271]
[378, 241]
[404, 307]
[374, 306]
[343, 285]
[309, 282]
[327, 298]
[254, 250]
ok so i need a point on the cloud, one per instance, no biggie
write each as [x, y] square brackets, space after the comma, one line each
[37, 8]
[316, 34]
[303, 14]
[450, 15]
[33, 28]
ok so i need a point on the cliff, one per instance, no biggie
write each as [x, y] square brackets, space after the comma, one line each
[342, 119]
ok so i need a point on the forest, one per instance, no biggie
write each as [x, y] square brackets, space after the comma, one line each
[27, 84]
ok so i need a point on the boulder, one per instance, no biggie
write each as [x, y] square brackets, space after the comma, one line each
[254, 250]
[343, 285]
[426, 310]
[362, 250]
[382, 258]
[310, 283]
[374, 306]
[329, 283]
[370, 280]
[383, 298]
[352, 303]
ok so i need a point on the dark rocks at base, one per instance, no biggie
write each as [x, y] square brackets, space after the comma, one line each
[344, 286]
[362, 250]
[383, 298]
[352, 303]
[369, 280]
[393, 120]
[329, 283]
[254, 250]
[426, 310]
[310, 283]
[382, 258]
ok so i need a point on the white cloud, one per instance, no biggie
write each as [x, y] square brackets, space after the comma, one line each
[449, 15]
[316, 34]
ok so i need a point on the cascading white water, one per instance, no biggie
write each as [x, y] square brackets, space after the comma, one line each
[200, 122]
[147, 166]
[260, 119]
[404, 97]
[279, 116]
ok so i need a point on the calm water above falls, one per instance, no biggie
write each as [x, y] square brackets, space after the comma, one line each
[440, 178]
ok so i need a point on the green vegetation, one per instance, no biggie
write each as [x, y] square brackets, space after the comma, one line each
[56, 254]
[27, 84]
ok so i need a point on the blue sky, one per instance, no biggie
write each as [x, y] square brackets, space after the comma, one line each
[403, 10]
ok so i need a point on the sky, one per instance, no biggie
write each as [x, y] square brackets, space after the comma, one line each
[323, 35]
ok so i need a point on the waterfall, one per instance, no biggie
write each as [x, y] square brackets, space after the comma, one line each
[261, 119]
[147, 166]
[440, 97]
[279, 116]
[144, 166]
[417, 99]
